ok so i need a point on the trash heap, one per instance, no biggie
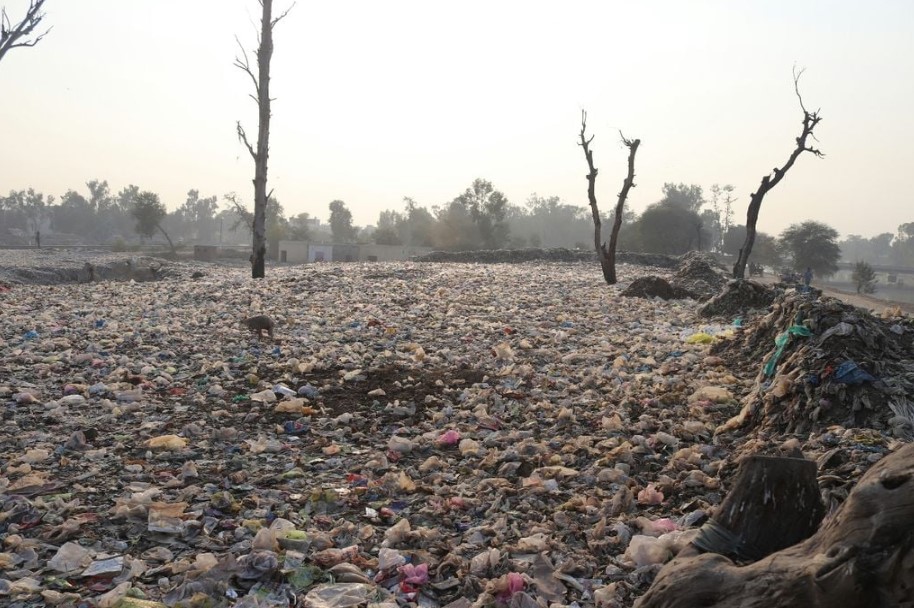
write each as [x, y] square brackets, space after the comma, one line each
[421, 434]
[698, 276]
[738, 298]
[822, 362]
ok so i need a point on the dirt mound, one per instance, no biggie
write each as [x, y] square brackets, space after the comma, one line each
[738, 298]
[823, 362]
[656, 287]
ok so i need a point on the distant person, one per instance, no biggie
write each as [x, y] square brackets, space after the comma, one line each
[807, 277]
[38, 238]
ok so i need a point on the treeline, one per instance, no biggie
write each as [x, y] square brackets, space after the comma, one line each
[684, 218]
[100, 216]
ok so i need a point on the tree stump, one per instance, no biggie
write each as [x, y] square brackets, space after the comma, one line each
[775, 503]
[862, 556]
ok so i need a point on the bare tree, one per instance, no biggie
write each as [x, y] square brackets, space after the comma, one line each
[606, 254]
[810, 120]
[21, 34]
[261, 82]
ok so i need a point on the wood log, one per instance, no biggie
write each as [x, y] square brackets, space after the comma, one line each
[862, 556]
[774, 504]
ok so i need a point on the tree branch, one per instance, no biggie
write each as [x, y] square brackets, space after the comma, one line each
[591, 185]
[245, 66]
[12, 36]
[282, 16]
[244, 216]
[243, 138]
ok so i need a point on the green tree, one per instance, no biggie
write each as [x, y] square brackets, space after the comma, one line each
[197, 216]
[864, 278]
[812, 245]
[766, 250]
[487, 208]
[689, 197]
[148, 211]
[74, 215]
[391, 224]
[669, 228]
[549, 222]
[454, 228]
[386, 235]
[419, 227]
[299, 227]
[341, 223]
[903, 245]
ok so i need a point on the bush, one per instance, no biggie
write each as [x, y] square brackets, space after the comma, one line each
[864, 278]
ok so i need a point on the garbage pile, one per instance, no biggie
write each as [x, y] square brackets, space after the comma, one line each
[739, 298]
[656, 287]
[822, 362]
[698, 276]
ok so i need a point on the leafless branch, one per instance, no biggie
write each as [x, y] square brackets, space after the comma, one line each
[628, 143]
[244, 64]
[244, 216]
[243, 138]
[796, 86]
[282, 16]
[591, 186]
[12, 36]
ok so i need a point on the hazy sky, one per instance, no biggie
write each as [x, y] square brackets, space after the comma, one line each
[380, 100]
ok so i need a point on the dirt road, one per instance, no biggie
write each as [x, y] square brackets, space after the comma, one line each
[876, 305]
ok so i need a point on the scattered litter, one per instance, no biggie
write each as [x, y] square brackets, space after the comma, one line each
[440, 436]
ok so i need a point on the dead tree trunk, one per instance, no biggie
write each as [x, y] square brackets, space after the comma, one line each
[810, 120]
[861, 556]
[607, 255]
[262, 87]
[774, 504]
[19, 35]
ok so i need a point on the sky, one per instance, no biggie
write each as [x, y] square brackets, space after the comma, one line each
[375, 101]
